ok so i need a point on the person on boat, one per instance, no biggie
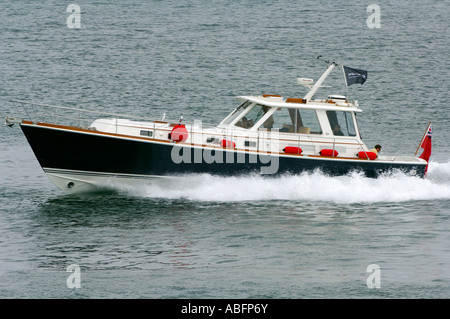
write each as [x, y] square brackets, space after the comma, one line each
[337, 130]
[245, 123]
[376, 149]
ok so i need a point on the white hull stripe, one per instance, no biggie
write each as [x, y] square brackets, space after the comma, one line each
[99, 174]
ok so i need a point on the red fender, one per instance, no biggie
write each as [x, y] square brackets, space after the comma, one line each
[227, 144]
[329, 152]
[293, 150]
[367, 155]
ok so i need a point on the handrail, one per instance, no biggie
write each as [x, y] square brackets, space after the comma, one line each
[226, 133]
[79, 110]
[74, 109]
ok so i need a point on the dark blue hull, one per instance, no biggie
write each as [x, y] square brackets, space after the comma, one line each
[78, 150]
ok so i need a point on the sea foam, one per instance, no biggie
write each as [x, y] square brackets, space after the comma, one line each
[311, 186]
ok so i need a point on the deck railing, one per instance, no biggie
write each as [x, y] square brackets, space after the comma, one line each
[38, 112]
[71, 116]
[82, 118]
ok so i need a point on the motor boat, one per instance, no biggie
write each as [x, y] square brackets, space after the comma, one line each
[82, 150]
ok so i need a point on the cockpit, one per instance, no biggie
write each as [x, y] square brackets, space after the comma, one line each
[255, 116]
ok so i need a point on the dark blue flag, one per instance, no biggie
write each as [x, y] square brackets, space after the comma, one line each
[353, 76]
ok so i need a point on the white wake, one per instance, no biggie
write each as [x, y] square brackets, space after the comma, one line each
[316, 186]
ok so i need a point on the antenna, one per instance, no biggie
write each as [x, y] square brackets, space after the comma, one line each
[327, 61]
[305, 82]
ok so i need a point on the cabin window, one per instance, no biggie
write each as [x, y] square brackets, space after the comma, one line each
[146, 133]
[212, 140]
[293, 121]
[280, 120]
[307, 122]
[341, 123]
[253, 116]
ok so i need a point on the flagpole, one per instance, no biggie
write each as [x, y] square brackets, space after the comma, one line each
[423, 137]
[346, 85]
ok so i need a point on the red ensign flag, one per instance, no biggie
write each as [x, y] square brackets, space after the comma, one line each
[426, 145]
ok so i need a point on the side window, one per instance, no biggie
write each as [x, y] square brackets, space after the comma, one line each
[280, 120]
[341, 123]
[294, 121]
[308, 122]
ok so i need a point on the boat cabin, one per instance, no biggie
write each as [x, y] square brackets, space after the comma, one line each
[312, 125]
[333, 117]
[268, 123]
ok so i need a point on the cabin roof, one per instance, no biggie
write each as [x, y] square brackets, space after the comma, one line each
[298, 103]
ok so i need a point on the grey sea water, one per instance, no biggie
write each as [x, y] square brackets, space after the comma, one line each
[309, 236]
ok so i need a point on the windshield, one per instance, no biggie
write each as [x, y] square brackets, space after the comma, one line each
[237, 112]
[253, 116]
